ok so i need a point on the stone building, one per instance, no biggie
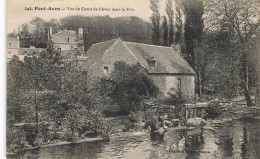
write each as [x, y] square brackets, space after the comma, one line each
[12, 47]
[164, 65]
[66, 40]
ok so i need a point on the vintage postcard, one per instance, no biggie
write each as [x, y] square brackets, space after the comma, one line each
[132, 79]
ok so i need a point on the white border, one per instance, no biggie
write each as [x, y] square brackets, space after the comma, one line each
[3, 79]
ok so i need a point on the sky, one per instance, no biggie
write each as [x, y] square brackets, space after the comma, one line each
[17, 15]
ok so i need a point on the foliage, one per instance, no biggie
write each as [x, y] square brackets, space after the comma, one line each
[128, 125]
[101, 28]
[213, 110]
[46, 92]
[136, 116]
[193, 27]
[165, 31]
[36, 32]
[16, 141]
[130, 84]
[178, 24]
[155, 18]
[239, 19]
[177, 99]
[170, 14]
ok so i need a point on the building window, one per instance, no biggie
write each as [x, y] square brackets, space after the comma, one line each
[9, 52]
[9, 44]
[179, 83]
[68, 39]
[106, 70]
[153, 63]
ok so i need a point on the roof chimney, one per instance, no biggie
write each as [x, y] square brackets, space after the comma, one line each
[80, 31]
[50, 30]
[18, 43]
[176, 47]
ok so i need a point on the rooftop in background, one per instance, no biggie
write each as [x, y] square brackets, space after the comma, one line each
[167, 59]
[62, 37]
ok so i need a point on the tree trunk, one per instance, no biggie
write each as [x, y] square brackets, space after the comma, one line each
[36, 106]
[245, 77]
[199, 81]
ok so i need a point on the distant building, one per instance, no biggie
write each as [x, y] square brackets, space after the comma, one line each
[164, 65]
[29, 52]
[66, 41]
[12, 47]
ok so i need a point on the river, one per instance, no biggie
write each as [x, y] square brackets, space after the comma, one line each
[234, 140]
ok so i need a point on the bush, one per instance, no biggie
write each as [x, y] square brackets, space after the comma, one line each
[213, 110]
[177, 99]
[16, 140]
[128, 125]
[136, 116]
[82, 123]
[148, 114]
[128, 85]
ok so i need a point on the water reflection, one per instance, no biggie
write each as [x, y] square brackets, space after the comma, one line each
[237, 139]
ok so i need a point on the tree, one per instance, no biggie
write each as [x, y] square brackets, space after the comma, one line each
[241, 17]
[102, 28]
[34, 33]
[165, 31]
[15, 87]
[155, 18]
[129, 85]
[178, 24]
[193, 27]
[170, 14]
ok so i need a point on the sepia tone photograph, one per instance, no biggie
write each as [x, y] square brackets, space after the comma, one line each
[134, 79]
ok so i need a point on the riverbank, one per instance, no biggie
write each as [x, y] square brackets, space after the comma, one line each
[67, 142]
[59, 143]
[229, 112]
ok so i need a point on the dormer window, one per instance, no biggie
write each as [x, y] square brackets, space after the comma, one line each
[153, 63]
[105, 70]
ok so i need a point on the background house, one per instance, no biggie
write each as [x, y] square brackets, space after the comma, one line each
[12, 47]
[164, 65]
[66, 40]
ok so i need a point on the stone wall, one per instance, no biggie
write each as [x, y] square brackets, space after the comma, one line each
[166, 82]
[66, 46]
[187, 84]
[159, 81]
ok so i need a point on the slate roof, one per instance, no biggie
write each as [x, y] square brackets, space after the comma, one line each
[96, 51]
[61, 37]
[11, 39]
[168, 61]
